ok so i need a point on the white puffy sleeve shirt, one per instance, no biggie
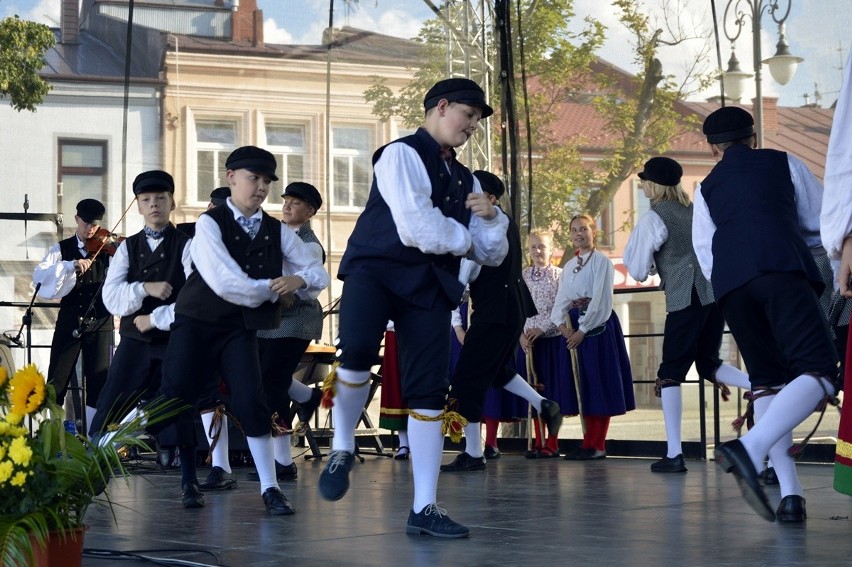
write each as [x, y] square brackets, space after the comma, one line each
[836, 218]
[227, 280]
[56, 276]
[648, 236]
[595, 281]
[404, 184]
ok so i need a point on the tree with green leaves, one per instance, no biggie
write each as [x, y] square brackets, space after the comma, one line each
[639, 113]
[22, 48]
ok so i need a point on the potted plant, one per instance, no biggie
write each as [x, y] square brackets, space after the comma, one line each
[49, 476]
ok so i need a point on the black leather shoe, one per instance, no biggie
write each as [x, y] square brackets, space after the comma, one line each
[769, 477]
[276, 503]
[282, 472]
[334, 478]
[218, 479]
[552, 416]
[192, 497]
[491, 453]
[591, 455]
[733, 458]
[434, 521]
[576, 454]
[669, 465]
[464, 462]
[307, 409]
[792, 509]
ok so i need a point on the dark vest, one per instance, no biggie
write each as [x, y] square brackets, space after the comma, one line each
[74, 305]
[676, 261]
[752, 202]
[158, 265]
[259, 258]
[375, 245]
[499, 294]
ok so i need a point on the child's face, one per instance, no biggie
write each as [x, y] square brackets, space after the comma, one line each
[458, 122]
[248, 189]
[539, 250]
[155, 208]
[296, 212]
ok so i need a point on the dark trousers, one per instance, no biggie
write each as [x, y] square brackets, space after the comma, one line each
[422, 336]
[780, 329]
[484, 361]
[135, 373]
[95, 344]
[692, 335]
[196, 351]
[278, 361]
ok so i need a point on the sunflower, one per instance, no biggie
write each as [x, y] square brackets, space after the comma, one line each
[27, 391]
[13, 418]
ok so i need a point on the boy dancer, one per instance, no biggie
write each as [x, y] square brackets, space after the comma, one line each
[501, 305]
[425, 211]
[146, 274]
[746, 234]
[240, 255]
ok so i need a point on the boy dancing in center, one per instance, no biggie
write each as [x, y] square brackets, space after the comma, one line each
[425, 212]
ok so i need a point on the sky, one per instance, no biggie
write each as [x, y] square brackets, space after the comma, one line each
[817, 30]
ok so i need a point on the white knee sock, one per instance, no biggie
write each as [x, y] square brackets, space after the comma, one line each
[220, 451]
[727, 374]
[427, 447]
[473, 440]
[283, 453]
[403, 438]
[348, 404]
[519, 387]
[784, 464]
[790, 407]
[299, 392]
[672, 398]
[264, 460]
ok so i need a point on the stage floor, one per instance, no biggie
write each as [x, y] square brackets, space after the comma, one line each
[613, 512]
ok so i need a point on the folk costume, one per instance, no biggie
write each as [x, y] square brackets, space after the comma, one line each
[836, 229]
[401, 264]
[662, 241]
[222, 306]
[606, 381]
[747, 236]
[551, 360]
[81, 313]
[501, 304]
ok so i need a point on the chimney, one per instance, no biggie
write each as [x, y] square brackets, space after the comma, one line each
[770, 114]
[247, 23]
[69, 21]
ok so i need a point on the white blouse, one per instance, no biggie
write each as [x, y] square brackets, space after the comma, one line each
[594, 280]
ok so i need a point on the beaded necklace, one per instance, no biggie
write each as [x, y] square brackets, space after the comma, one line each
[583, 263]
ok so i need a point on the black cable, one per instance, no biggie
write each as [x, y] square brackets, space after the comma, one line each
[137, 554]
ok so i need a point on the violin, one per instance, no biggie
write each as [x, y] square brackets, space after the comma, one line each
[103, 241]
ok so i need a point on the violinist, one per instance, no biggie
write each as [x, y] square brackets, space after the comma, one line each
[71, 273]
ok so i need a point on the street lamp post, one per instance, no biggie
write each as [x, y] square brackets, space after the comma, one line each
[782, 66]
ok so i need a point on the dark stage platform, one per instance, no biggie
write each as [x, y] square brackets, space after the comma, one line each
[613, 512]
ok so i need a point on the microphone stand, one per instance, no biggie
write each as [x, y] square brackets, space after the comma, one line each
[27, 321]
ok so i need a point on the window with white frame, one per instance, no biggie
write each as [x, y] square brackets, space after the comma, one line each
[82, 174]
[351, 148]
[215, 139]
[288, 144]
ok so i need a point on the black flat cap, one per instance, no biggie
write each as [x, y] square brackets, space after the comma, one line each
[491, 184]
[219, 195]
[154, 181]
[457, 90]
[91, 211]
[728, 124]
[304, 191]
[254, 159]
[662, 171]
